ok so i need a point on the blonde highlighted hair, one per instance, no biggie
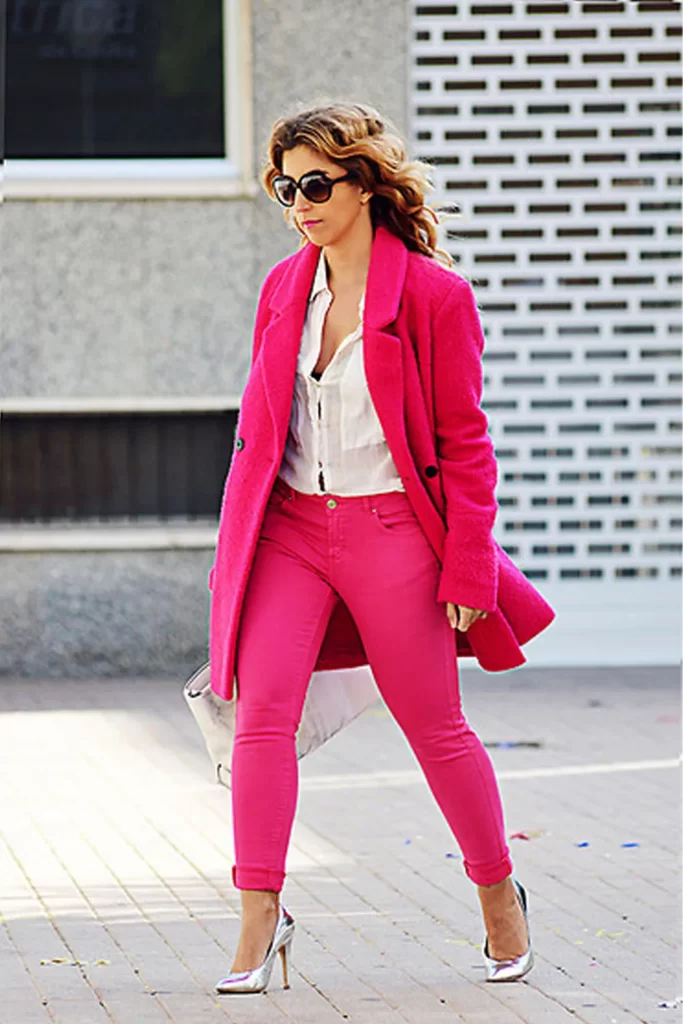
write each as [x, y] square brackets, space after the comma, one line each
[354, 136]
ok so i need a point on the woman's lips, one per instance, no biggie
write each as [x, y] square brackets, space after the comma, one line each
[310, 223]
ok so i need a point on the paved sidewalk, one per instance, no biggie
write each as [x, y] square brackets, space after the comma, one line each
[116, 901]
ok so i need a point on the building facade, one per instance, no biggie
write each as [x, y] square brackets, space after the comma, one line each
[135, 238]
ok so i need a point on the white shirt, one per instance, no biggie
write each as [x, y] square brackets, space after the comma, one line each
[335, 443]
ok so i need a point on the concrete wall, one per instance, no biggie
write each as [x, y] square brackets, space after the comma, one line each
[156, 297]
[153, 298]
[103, 613]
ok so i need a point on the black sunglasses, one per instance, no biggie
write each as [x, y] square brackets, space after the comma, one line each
[315, 186]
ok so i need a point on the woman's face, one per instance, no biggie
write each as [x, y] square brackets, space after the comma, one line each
[325, 223]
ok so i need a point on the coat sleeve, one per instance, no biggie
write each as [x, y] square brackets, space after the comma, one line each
[465, 453]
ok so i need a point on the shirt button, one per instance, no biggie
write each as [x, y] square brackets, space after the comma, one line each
[239, 444]
[331, 503]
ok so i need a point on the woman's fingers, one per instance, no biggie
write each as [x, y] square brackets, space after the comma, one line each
[461, 617]
[467, 617]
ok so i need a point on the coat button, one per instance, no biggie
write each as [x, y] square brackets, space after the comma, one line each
[239, 444]
[431, 471]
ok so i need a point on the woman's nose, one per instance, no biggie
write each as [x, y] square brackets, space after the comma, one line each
[301, 204]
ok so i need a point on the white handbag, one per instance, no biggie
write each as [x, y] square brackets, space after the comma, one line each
[334, 698]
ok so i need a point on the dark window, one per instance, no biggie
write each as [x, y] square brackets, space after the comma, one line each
[114, 78]
[78, 467]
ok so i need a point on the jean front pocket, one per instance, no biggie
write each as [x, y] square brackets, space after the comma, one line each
[392, 515]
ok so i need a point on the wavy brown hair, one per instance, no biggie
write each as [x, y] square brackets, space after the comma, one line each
[354, 136]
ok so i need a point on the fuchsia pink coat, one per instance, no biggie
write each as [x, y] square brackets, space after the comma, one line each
[422, 346]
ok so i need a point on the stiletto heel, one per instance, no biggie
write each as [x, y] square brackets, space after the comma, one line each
[257, 979]
[518, 966]
[284, 952]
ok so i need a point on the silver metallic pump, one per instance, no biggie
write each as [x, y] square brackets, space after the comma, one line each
[518, 966]
[257, 979]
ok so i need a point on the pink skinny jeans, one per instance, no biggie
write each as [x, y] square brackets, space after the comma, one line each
[371, 552]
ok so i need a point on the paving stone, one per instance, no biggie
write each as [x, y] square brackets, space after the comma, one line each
[116, 845]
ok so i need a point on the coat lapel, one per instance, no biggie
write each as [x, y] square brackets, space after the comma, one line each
[281, 339]
[382, 352]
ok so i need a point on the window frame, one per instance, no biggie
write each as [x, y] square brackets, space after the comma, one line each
[231, 176]
[22, 538]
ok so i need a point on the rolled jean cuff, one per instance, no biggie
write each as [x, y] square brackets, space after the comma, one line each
[257, 878]
[489, 874]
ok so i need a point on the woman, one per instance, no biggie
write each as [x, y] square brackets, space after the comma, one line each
[357, 516]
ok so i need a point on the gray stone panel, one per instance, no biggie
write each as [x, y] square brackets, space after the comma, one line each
[126, 298]
[122, 613]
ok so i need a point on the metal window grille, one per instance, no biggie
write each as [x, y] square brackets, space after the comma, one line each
[555, 129]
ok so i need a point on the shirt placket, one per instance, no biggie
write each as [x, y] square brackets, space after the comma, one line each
[322, 418]
[317, 410]
[319, 433]
[317, 390]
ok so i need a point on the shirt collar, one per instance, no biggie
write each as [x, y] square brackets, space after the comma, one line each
[320, 283]
[320, 279]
